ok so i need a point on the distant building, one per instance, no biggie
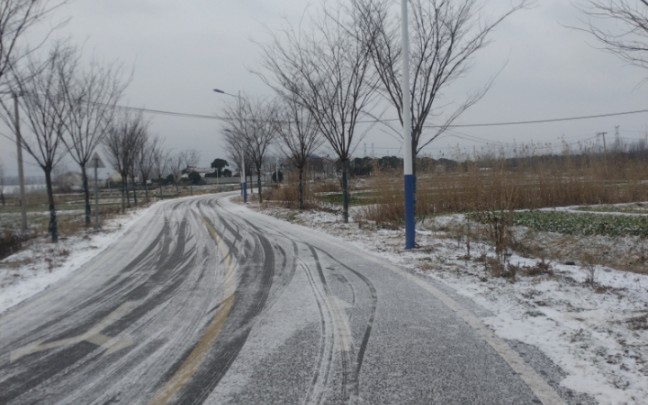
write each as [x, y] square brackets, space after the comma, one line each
[69, 181]
[202, 171]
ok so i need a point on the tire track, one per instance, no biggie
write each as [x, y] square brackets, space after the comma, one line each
[351, 365]
[252, 292]
[369, 324]
[322, 372]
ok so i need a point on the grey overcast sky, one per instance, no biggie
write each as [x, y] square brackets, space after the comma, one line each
[180, 51]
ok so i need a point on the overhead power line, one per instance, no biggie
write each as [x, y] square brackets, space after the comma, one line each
[540, 121]
[171, 113]
[468, 125]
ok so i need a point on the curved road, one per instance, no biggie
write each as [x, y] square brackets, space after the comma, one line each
[205, 301]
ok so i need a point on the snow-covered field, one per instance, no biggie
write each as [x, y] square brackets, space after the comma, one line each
[597, 334]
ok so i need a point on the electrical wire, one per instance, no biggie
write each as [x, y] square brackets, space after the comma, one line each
[540, 121]
[379, 120]
[171, 113]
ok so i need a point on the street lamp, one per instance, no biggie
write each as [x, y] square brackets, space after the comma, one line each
[243, 178]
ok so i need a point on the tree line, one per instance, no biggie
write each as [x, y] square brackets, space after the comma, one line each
[59, 106]
[332, 70]
[327, 75]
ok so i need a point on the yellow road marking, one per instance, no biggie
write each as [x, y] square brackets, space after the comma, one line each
[94, 336]
[197, 355]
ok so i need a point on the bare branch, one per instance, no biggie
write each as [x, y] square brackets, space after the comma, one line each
[629, 37]
[446, 36]
[327, 71]
[16, 17]
[251, 129]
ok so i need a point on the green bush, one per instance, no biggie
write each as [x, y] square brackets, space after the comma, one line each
[583, 224]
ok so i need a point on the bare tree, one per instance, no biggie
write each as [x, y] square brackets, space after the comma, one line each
[238, 131]
[176, 165]
[147, 161]
[446, 35]
[136, 146]
[264, 130]
[2, 197]
[252, 127]
[16, 17]
[629, 37]
[190, 159]
[300, 138]
[160, 158]
[328, 72]
[91, 98]
[122, 144]
[44, 110]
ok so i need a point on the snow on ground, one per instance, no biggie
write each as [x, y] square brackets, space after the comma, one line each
[596, 333]
[41, 263]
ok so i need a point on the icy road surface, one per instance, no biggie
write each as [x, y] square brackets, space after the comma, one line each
[205, 301]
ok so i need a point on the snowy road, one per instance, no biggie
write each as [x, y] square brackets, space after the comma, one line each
[204, 301]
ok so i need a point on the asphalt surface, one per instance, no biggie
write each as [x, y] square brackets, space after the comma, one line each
[205, 301]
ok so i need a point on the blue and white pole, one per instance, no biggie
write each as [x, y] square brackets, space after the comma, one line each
[408, 169]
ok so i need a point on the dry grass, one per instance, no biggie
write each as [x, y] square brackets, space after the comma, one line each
[492, 189]
[501, 185]
[286, 194]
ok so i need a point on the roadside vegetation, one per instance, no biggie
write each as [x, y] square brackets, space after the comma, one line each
[600, 195]
[72, 214]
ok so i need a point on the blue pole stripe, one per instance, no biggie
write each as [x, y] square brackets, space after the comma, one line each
[409, 211]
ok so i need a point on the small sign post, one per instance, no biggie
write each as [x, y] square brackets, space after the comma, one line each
[97, 163]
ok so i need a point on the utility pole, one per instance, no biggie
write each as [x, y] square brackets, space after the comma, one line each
[21, 172]
[602, 134]
[408, 162]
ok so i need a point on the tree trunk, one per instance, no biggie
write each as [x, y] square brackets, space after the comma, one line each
[134, 191]
[123, 194]
[128, 204]
[345, 190]
[53, 226]
[86, 192]
[146, 193]
[259, 184]
[300, 188]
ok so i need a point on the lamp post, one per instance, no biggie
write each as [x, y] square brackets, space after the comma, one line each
[408, 169]
[243, 178]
